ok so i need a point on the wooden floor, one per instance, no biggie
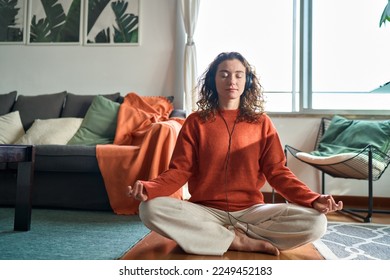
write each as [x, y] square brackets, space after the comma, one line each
[156, 247]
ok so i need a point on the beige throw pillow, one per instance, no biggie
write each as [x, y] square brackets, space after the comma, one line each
[51, 131]
[11, 128]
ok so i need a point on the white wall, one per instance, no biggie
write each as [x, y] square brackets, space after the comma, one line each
[148, 69]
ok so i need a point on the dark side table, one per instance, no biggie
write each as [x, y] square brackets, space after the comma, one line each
[24, 156]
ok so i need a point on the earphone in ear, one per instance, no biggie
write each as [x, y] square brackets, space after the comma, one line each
[249, 81]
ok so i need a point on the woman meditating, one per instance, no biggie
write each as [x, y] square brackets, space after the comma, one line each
[226, 151]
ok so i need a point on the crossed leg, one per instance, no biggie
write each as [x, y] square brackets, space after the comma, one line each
[266, 228]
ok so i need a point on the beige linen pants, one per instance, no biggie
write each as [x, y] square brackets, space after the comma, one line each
[202, 230]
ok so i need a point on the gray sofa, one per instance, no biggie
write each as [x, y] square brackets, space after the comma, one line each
[66, 176]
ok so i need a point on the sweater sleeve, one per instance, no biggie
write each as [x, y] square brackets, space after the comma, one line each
[278, 175]
[182, 163]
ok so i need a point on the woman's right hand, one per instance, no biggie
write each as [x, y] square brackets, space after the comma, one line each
[137, 191]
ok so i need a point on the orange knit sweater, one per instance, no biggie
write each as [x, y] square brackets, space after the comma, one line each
[256, 155]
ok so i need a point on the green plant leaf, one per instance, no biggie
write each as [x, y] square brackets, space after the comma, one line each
[385, 14]
[8, 13]
[40, 31]
[103, 36]
[70, 31]
[55, 16]
[127, 24]
[95, 8]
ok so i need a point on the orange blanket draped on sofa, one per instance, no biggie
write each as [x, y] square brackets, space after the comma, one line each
[142, 148]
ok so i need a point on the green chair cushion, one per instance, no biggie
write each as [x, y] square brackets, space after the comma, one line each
[346, 136]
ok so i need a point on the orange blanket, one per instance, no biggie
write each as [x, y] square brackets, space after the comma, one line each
[142, 148]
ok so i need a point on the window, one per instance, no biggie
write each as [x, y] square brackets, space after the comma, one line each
[346, 53]
[350, 55]
[262, 31]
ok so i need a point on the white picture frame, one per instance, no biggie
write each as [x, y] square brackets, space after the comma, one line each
[13, 29]
[61, 23]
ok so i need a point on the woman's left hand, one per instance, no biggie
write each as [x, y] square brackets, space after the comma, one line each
[326, 204]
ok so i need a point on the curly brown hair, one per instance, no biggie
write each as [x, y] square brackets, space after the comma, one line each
[251, 101]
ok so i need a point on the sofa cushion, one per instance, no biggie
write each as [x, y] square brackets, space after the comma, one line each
[77, 105]
[52, 131]
[6, 102]
[44, 106]
[99, 124]
[11, 128]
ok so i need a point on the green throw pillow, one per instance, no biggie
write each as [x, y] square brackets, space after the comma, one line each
[345, 136]
[99, 124]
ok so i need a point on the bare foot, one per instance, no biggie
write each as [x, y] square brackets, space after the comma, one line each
[243, 242]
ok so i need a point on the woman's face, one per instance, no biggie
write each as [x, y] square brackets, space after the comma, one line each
[230, 83]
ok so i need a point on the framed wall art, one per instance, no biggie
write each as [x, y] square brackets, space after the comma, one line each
[12, 21]
[112, 22]
[55, 22]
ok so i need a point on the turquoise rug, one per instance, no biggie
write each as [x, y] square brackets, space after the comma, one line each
[69, 235]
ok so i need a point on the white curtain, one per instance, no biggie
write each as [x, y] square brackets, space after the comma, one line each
[189, 11]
